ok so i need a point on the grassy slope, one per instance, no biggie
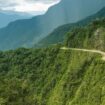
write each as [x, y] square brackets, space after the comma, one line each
[51, 77]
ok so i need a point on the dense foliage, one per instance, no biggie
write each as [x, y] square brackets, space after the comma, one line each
[91, 36]
[51, 76]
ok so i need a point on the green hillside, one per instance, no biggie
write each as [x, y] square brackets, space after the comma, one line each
[51, 76]
[91, 36]
[56, 76]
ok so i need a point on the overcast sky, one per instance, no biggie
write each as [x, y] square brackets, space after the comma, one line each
[27, 6]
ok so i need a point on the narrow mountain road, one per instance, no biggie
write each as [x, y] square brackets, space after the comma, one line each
[86, 50]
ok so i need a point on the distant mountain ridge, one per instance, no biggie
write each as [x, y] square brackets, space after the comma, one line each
[29, 31]
[6, 18]
[59, 34]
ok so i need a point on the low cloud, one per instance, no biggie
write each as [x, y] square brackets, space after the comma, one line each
[28, 6]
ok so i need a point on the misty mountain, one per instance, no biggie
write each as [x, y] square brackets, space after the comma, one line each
[59, 34]
[6, 18]
[27, 32]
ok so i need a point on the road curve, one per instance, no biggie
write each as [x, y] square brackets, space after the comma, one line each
[86, 50]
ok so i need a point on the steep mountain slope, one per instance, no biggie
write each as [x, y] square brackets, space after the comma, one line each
[58, 35]
[54, 75]
[51, 77]
[6, 18]
[27, 32]
[91, 36]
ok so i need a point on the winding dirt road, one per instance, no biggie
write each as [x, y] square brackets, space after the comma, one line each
[86, 50]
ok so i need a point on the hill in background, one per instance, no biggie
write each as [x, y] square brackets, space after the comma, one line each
[27, 32]
[59, 34]
[6, 18]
